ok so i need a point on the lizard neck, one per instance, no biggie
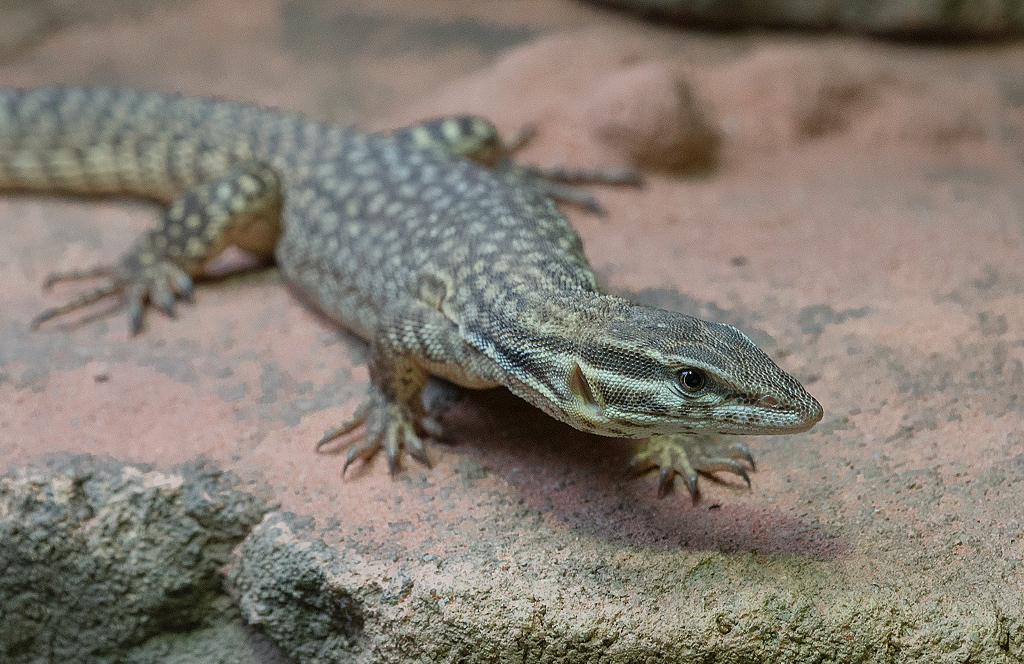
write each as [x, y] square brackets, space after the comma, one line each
[539, 339]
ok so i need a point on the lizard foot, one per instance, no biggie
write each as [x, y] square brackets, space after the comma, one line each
[160, 282]
[378, 423]
[559, 182]
[688, 455]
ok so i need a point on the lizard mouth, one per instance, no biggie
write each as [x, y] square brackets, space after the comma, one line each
[795, 419]
[768, 414]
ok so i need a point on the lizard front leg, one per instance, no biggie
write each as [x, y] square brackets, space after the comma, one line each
[476, 138]
[412, 340]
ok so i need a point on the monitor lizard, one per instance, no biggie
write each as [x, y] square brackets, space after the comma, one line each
[427, 243]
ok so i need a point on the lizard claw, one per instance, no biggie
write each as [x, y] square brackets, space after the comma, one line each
[414, 446]
[689, 455]
[351, 424]
[161, 283]
[385, 424]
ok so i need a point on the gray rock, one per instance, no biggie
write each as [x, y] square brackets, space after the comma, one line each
[99, 557]
[284, 584]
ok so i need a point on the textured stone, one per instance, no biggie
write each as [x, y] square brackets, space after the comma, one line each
[99, 557]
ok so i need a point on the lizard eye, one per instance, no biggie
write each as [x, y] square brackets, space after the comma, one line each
[692, 380]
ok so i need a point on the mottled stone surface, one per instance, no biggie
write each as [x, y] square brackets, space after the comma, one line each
[104, 562]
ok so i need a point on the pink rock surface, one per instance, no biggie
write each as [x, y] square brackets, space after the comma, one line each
[651, 114]
[864, 225]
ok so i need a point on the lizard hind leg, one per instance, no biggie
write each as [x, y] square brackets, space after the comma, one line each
[241, 207]
[476, 138]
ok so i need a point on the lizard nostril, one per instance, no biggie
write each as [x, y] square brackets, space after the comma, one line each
[768, 401]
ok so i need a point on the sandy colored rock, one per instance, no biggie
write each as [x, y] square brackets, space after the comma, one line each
[785, 94]
[100, 557]
[22, 26]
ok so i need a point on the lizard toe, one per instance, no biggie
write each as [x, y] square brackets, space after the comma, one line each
[161, 284]
[364, 450]
[163, 297]
[357, 420]
[414, 446]
[378, 424]
[688, 455]
[80, 302]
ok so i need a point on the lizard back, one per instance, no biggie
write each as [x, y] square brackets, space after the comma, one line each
[366, 219]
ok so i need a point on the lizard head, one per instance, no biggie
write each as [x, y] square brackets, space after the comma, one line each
[643, 371]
